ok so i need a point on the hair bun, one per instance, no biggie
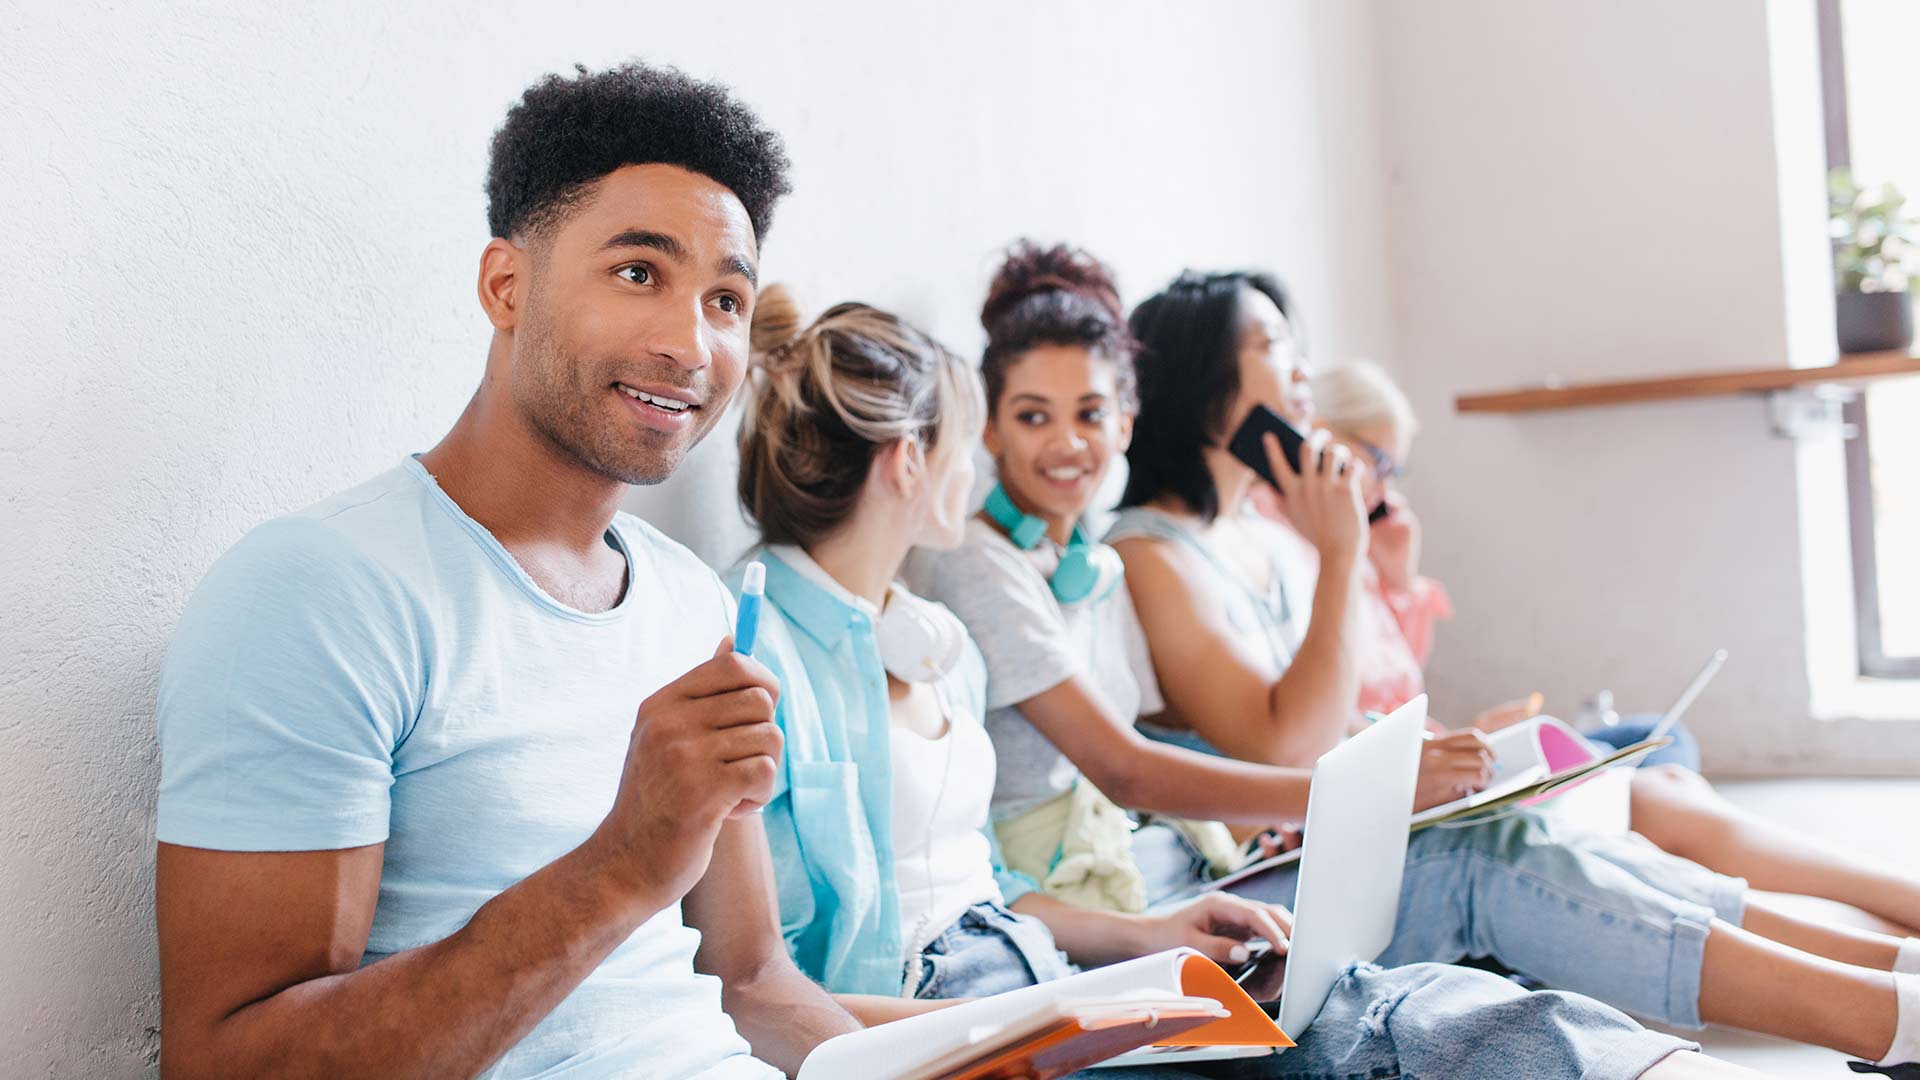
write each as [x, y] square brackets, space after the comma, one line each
[777, 321]
[1030, 269]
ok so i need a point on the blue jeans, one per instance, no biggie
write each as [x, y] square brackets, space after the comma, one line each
[1608, 916]
[1612, 917]
[1420, 1022]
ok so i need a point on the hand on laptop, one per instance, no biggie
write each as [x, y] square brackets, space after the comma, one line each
[1451, 766]
[705, 749]
[1220, 925]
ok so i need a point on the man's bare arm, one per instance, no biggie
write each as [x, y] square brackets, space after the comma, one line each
[260, 975]
[260, 951]
[736, 907]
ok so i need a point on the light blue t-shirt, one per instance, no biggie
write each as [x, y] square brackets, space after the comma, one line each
[378, 668]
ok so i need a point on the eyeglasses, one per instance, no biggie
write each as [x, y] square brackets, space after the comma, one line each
[1384, 467]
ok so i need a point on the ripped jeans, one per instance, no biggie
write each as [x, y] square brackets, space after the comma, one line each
[1419, 1022]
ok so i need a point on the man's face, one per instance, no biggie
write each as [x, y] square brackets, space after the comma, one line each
[633, 336]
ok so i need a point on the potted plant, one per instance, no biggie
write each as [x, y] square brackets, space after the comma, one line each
[1876, 246]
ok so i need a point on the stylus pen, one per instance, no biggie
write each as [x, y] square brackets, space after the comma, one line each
[746, 625]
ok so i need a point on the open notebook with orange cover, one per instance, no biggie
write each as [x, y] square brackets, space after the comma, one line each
[1173, 998]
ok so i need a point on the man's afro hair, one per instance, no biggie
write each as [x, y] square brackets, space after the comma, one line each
[565, 134]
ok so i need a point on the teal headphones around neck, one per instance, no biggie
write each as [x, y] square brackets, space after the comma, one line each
[1087, 570]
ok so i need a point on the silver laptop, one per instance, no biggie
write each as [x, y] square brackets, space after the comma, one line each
[1352, 859]
[1350, 867]
[1685, 700]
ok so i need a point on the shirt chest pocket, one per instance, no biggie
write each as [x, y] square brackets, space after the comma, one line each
[830, 823]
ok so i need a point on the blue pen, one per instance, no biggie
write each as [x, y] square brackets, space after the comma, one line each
[746, 626]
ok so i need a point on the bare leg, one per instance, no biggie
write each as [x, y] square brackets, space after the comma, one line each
[1681, 813]
[1760, 985]
[1819, 909]
[1861, 948]
[1688, 1065]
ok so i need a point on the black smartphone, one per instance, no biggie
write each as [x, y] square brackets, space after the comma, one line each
[1248, 444]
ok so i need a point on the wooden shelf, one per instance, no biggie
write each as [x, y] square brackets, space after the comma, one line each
[1857, 367]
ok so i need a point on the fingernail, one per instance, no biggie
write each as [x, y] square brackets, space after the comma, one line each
[1237, 954]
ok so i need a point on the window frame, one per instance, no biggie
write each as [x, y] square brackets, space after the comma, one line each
[1873, 659]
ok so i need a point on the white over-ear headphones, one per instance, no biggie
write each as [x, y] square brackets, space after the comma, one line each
[920, 641]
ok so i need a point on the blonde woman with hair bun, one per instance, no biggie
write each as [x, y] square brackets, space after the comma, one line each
[856, 390]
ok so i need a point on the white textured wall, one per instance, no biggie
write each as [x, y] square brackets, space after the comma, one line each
[1592, 191]
[241, 247]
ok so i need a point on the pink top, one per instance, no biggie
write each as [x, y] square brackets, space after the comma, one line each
[1397, 633]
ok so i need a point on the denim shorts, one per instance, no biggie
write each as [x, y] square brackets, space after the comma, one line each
[989, 950]
[1419, 1022]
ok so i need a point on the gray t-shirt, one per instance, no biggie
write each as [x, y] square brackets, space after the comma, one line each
[1031, 644]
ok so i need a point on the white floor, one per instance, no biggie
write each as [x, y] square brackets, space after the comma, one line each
[1875, 817]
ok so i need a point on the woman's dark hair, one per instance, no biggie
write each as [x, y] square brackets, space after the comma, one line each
[1056, 295]
[1189, 369]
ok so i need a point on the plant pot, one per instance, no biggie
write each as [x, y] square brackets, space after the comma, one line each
[1875, 322]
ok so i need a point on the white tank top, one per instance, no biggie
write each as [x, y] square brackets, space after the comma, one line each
[1270, 618]
[943, 863]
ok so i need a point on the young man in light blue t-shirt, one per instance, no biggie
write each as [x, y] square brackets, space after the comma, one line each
[442, 756]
